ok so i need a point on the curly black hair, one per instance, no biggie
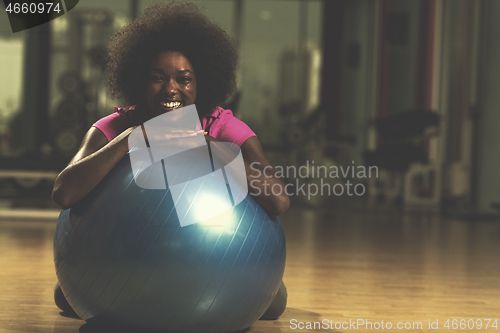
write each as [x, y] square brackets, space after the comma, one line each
[177, 27]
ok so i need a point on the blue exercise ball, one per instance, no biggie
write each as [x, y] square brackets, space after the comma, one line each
[122, 257]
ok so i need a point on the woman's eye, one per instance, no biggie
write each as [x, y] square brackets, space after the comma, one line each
[156, 78]
[185, 79]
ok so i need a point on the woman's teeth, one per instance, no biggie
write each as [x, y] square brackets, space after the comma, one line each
[171, 105]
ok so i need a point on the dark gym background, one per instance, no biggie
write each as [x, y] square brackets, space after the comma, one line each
[407, 86]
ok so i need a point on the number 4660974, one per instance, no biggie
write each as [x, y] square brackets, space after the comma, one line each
[32, 8]
[470, 324]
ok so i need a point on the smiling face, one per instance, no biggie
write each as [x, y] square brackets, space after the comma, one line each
[171, 82]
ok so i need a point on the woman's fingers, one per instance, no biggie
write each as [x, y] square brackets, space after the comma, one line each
[182, 131]
[183, 134]
[174, 134]
[175, 138]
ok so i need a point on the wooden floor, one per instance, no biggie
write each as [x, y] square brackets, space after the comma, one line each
[341, 267]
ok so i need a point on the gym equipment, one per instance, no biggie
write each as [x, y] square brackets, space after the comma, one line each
[122, 257]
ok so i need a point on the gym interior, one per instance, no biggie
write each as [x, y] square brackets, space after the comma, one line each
[380, 115]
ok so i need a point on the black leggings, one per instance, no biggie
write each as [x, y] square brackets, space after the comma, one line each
[278, 305]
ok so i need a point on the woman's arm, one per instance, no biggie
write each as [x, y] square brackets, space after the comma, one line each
[263, 185]
[96, 157]
[93, 161]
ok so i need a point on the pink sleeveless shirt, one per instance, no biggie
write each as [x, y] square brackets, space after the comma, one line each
[220, 124]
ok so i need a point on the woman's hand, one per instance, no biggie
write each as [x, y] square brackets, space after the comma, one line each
[162, 135]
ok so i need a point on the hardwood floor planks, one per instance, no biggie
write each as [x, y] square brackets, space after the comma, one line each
[341, 266]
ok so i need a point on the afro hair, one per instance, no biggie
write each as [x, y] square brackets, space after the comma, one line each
[177, 27]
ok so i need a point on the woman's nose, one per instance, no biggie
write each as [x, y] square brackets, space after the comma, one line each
[171, 87]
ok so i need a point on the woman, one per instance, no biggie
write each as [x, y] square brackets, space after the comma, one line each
[171, 57]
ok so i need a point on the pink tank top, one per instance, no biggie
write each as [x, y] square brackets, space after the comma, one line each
[221, 124]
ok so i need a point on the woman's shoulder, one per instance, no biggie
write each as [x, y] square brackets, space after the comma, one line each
[222, 116]
[130, 112]
[118, 121]
[226, 127]
[218, 112]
